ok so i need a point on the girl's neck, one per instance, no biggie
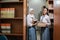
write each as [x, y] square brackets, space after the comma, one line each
[31, 14]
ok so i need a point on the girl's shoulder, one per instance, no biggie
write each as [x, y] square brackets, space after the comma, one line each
[41, 16]
[28, 16]
[47, 16]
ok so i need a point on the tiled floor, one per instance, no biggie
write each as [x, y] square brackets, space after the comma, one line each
[38, 35]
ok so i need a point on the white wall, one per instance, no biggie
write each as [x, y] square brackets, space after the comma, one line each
[36, 5]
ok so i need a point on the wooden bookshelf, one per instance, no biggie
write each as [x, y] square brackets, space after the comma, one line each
[16, 22]
[50, 7]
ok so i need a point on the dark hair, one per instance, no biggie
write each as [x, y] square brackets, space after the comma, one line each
[44, 7]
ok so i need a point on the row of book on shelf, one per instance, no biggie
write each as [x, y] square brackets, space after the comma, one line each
[7, 12]
[49, 4]
[51, 15]
[5, 27]
[50, 7]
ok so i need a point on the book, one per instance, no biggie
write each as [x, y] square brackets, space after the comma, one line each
[6, 31]
[7, 12]
[50, 6]
[51, 15]
[6, 28]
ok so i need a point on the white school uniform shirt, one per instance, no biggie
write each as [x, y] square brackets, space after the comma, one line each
[45, 19]
[29, 19]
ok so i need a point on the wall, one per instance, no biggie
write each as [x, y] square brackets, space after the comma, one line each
[37, 6]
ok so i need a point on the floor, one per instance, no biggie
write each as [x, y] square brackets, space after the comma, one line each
[38, 35]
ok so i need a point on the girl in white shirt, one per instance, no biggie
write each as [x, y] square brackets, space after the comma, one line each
[31, 25]
[45, 19]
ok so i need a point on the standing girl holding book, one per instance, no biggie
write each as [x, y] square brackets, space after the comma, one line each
[31, 31]
[45, 34]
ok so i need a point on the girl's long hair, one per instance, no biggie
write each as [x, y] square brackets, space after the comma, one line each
[44, 7]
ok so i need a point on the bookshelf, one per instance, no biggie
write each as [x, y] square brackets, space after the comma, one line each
[13, 18]
[51, 9]
[16, 22]
[51, 14]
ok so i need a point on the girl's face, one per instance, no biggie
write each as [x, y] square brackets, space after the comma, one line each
[32, 12]
[44, 11]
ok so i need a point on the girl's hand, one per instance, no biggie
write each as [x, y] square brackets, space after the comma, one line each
[35, 24]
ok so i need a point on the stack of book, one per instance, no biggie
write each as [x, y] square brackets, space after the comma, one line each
[51, 15]
[7, 12]
[6, 28]
[50, 6]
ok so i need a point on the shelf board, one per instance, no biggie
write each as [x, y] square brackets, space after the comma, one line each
[11, 2]
[13, 18]
[12, 34]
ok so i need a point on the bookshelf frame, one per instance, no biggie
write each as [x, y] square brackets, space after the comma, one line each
[19, 18]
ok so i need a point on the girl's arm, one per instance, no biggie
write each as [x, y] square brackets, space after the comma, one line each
[48, 21]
